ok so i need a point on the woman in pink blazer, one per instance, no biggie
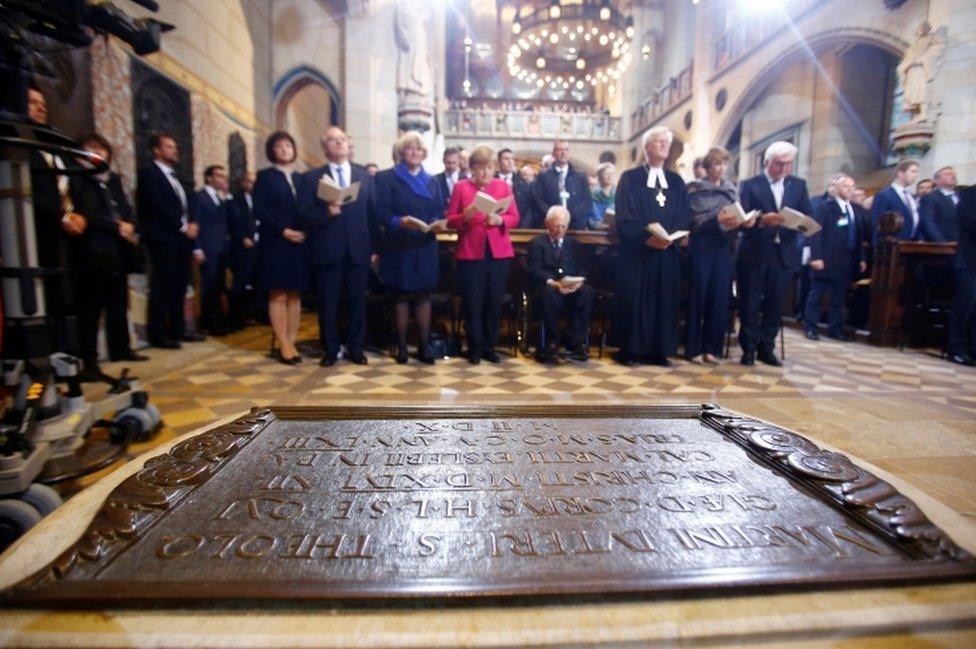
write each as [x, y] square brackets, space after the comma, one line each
[484, 253]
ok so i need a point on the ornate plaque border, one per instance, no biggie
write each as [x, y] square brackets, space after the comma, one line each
[143, 499]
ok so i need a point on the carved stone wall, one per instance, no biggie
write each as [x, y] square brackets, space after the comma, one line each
[112, 99]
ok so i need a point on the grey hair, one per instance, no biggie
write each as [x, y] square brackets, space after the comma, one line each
[657, 130]
[557, 210]
[836, 178]
[779, 149]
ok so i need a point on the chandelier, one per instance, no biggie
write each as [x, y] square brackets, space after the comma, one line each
[570, 43]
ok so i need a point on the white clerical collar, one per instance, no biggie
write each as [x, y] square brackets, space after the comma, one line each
[213, 194]
[656, 177]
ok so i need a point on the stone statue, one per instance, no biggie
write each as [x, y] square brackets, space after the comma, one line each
[414, 75]
[918, 68]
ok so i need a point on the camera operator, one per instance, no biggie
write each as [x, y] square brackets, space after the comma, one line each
[109, 251]
[58, 228]
[169, 231]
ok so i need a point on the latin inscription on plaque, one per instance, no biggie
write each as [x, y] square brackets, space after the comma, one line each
[311, 504]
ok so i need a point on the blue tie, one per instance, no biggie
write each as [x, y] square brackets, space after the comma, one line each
[342, 181]
[851, 230]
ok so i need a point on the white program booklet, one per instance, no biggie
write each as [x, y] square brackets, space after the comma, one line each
[330, 192]
[658, 231]
[489, 205]
[795, 220]
[741, 215]
[572, 280]
[433, 226]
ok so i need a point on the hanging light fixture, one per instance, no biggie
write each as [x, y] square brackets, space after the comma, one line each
[566, 37]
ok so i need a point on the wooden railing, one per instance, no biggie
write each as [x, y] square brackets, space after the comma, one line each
[676, 90]
[531, 125]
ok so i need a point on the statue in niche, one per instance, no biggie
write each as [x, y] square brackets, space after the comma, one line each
[410, 26]
[918, 68]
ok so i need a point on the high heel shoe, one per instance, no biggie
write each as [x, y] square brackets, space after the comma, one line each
[402, 356]
[424, 358]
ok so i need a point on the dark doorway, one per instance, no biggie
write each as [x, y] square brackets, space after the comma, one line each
[160, 105]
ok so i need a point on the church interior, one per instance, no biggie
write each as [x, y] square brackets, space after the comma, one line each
[859, 93]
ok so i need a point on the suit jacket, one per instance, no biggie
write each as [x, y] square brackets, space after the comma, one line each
[351, 233]
[888, 200]
[212, 217]
[441, 179]
[240, 220]
[103, 204]
[937, 217]
[160, 210]
[523, 199]
[966, 211]
[546, 262]
[48, 211]
[831, 245]
[473, 235]
[757, 244]
[545, 194]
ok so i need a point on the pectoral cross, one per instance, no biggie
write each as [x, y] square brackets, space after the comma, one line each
[661, 198]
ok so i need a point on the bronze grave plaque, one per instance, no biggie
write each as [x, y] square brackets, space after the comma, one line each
[348, 504]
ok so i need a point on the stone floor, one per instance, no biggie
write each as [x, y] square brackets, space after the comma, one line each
[907, 412]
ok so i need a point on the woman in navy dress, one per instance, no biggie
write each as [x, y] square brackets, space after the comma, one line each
[282, 265]
[408, 255]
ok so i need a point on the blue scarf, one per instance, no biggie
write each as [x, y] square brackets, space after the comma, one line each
[417, 184]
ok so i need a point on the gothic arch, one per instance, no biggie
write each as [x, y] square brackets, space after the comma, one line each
[768, 74]
[294, 81]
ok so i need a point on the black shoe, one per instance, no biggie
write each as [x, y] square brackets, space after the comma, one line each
[402, 356]
[328, 360]
[748, 358]
[166, 343]
[961, 359]
[626, 359]
[841, 338]
[769, 358]
[579, 354]
[491, 356]
[424, 358]
[192, 337]
[660, 361]
[812, 334]
[131, 357]
[358, 358]
[286, 360]
[474, 358]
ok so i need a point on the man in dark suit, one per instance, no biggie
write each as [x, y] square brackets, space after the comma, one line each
[520, 189]
[169, 232]
[563, 185]
[833, 252]
[553, 256]
[242, 257]
[896, 197]
[209, 208]
[451, 174]
[768, 254]
[962, 315]
[341, 245]
[938, 219]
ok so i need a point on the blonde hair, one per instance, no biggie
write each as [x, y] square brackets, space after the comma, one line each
[715, 155]
[480, 155]
[410, 138]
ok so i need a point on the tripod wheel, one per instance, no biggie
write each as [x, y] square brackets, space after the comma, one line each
[16, 517]
[42, 498]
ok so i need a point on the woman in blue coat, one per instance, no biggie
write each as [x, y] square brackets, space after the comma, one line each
[282, 264]
[408, 255]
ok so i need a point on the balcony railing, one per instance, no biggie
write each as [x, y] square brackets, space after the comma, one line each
[532, 125]
[669, 95]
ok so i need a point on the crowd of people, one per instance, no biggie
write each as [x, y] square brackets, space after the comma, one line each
[279, 238]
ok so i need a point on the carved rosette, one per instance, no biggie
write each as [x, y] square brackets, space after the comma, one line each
[858, 492]
[144, 497]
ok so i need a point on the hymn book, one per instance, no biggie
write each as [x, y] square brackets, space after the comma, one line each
[489, 205]
[330, 192]
[658, 231]
[571, 281]
[433, 226]
[741, 215]
[795, 220]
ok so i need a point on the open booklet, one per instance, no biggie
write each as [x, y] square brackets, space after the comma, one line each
[569, 281]
[330, 192]
[489, 205]
[433, 226]
[658, 231]
[795, 220]
[741, 215]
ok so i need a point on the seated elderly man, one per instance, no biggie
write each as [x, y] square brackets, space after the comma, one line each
[556, 274]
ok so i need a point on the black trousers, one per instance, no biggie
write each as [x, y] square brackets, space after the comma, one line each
[962, 315]
[482, 283]
[578, 304]
[331, 280]
[762, 288]
[836, 288]
[708, 302]
[101, 292]
[169, 273]
[213, 286]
